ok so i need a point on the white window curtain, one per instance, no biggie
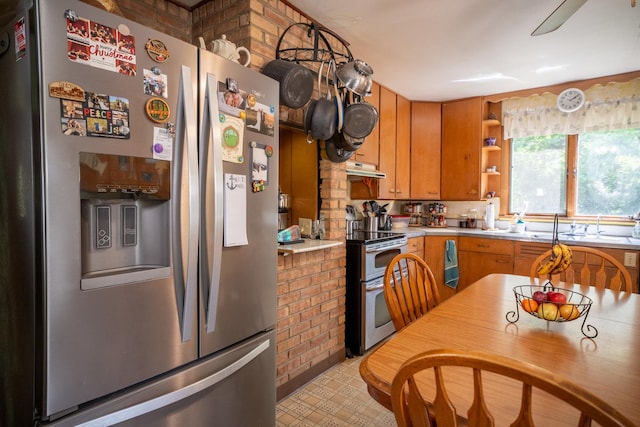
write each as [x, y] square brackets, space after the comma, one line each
[609, 107]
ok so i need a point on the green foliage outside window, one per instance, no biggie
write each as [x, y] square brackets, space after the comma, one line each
[608, 173]
[538, 174]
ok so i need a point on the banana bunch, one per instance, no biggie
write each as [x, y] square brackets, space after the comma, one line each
[558, 262]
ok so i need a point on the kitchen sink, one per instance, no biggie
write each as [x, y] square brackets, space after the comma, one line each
[573, 237]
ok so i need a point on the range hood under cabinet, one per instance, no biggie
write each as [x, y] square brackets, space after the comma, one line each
[357, 169]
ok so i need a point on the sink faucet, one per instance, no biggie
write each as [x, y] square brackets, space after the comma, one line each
[575, 228]
[598, 226]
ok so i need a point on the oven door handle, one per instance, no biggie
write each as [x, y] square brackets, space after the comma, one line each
[386, 248]
[375, 288]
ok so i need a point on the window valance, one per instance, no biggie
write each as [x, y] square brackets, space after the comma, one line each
[607, 107]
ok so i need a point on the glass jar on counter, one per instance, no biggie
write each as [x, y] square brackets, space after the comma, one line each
[472, 218]
[464, 220]
[635, 233]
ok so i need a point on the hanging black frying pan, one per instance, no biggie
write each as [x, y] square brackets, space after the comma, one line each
[346, 142]
[334, 153]
[308, 117]
[323, 123]
[359, 117]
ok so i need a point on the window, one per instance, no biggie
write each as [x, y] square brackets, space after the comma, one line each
[608, 173]
[538, 174]
[594, 173]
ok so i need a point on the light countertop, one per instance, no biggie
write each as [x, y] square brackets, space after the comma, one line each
[307, 246]
[619, 242]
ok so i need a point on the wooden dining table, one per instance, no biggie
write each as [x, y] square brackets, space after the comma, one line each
[607, 365]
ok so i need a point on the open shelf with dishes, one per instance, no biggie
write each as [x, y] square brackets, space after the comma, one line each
[491, 158]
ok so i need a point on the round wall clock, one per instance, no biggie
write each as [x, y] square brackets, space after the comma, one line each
[570, 100]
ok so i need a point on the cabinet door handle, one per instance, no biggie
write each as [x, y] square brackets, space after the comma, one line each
[482, 245]
[502, 261]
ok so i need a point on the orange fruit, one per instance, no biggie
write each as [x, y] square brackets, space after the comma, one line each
[529, 305]
[569, 311]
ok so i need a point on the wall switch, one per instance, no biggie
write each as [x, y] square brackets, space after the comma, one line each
[630, 259]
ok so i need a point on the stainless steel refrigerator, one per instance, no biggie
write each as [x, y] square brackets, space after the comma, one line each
[138, 226]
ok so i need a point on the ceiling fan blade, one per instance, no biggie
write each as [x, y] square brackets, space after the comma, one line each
[558, 16]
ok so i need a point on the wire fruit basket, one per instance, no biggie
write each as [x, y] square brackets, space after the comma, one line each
[552, 304]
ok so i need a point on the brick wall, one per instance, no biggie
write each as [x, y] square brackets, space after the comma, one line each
[311, 286]
[160, 15]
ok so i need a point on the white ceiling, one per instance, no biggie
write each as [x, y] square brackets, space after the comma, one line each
[419, 48]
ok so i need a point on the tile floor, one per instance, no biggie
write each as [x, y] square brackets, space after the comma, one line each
[336, 398]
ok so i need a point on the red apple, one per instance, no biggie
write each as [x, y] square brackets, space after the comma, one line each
[539, 296]
[556, 298]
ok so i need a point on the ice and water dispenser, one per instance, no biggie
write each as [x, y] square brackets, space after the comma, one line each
[125, 219]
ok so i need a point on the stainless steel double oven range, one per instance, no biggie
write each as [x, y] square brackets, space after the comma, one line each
[367, 318]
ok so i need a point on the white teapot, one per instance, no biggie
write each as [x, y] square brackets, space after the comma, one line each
[228, 50]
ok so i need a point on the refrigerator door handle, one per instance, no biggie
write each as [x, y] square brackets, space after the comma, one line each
[176, 395]
[211, 142]
[186, 282]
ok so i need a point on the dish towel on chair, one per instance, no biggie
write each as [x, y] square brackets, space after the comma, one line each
[451, 275]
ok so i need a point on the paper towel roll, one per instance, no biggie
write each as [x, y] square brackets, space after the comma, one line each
[490, 216]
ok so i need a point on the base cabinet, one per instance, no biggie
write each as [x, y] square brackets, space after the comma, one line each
[479, 257]
[434, 249]
[415, 245]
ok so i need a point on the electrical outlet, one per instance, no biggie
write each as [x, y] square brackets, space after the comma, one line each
[630, 259]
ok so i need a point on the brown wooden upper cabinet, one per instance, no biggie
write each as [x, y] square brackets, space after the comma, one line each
[368, 153]
[395, 142]
[461, 150]
[425, 150]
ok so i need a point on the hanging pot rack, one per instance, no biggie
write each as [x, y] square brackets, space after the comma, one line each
[321, 50]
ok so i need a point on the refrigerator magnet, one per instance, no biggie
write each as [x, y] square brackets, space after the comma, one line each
[232, 129]
[259, 166]
[66, 90]
[157, 50]
[158, 110]
[155, 82]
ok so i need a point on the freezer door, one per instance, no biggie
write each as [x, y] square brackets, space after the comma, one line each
[19, 231]
[238, 277]
[120, 254]
[235, 388]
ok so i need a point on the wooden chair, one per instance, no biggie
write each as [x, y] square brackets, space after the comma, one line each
[409, 289]
[589, 267]
[411, 409]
